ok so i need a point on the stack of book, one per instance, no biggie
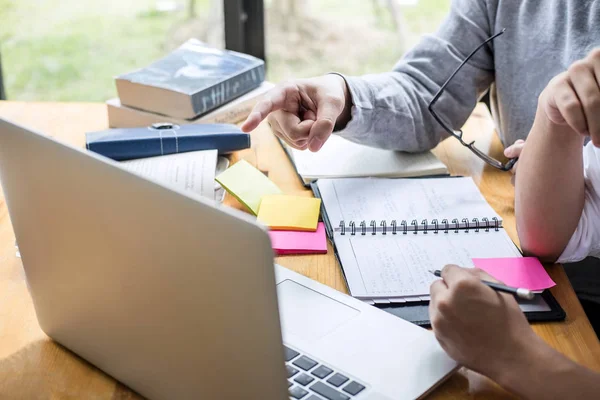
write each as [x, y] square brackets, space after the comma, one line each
[193, 84]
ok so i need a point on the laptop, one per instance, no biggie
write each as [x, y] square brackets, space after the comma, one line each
[179, 299]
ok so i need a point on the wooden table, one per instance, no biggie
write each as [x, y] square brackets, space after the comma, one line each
[33, 367]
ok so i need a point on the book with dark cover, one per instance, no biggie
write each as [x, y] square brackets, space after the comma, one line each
[162, 139]
[121, 116]
[192, 80]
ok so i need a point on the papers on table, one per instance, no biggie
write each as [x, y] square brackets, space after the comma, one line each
[366, 199]
[192, 171]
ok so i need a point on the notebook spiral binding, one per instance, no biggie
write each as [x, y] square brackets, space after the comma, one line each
[415, 227]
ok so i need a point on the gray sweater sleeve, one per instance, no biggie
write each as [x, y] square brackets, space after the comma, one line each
[390, 109]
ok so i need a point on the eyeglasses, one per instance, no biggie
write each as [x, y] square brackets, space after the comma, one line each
[458, 134]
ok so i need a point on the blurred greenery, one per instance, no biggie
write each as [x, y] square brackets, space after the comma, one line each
[70, 50]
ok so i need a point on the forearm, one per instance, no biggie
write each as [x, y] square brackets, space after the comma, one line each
[390, 111]
[550, 188]
[544, 373]
[384, 112]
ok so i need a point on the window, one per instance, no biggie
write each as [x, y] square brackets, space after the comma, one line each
[70, 50]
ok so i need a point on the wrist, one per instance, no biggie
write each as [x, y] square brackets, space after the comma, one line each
[507, 366]
[560, 133]
[346, 114]
[532, 367]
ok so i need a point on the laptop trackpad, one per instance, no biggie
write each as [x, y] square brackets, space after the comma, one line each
[310, 314]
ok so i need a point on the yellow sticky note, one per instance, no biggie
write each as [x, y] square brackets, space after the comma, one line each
[247, 184]
[281, 212]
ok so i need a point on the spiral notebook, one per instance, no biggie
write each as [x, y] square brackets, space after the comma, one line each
[389, 232]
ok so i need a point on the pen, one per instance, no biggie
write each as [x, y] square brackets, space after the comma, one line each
[519, 292]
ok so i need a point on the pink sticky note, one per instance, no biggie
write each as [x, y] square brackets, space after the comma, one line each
[298, 242]
[523, 272]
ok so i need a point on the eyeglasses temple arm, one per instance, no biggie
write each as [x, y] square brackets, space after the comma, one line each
[492, 161]
[439, 92]
[510, 164]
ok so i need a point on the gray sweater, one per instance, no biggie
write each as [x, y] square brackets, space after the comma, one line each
[542, 38]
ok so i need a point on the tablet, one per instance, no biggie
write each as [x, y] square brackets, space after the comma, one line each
[543, 307]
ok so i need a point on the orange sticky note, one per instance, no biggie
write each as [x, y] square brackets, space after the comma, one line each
[282, 212]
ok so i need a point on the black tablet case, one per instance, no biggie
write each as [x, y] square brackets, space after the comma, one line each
[418, 312]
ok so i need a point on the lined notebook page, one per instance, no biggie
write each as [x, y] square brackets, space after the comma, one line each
[342, 158]
[392, 266]
[379, 199]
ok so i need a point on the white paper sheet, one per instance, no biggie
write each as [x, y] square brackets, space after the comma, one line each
[397, 266]
[366, 199]
[193, 171]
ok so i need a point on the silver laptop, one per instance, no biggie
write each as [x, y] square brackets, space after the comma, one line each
[179, 299]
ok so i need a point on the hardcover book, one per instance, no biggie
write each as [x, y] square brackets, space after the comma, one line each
[163, 139]
[121, 116]
[191, 81]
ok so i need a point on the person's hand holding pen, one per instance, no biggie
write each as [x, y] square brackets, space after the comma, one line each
[482, 329]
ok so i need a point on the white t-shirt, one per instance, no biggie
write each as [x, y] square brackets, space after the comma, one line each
[586, 238]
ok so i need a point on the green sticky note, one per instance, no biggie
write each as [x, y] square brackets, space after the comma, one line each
[247, 184]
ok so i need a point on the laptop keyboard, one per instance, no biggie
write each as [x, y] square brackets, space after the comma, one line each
[311, 380]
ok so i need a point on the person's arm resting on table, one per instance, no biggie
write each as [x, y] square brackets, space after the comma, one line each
[558, 210]
[389, 110]
[487, 332]
[557, 196]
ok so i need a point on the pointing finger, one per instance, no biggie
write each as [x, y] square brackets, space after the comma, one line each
[273, 101]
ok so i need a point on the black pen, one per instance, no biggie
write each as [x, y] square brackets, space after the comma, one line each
[525, 294]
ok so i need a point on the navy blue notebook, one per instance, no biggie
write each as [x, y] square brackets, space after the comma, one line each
[161, 139]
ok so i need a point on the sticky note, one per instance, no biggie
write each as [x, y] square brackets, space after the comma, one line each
[281, 212]
[298, 242]
[523, 272]
[247, 184]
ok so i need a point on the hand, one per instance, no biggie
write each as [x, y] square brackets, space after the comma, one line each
[514, 151]
[573, 97]
[478, 327]
[304, 112]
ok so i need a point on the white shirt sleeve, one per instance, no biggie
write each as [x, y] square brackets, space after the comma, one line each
[586, 238]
